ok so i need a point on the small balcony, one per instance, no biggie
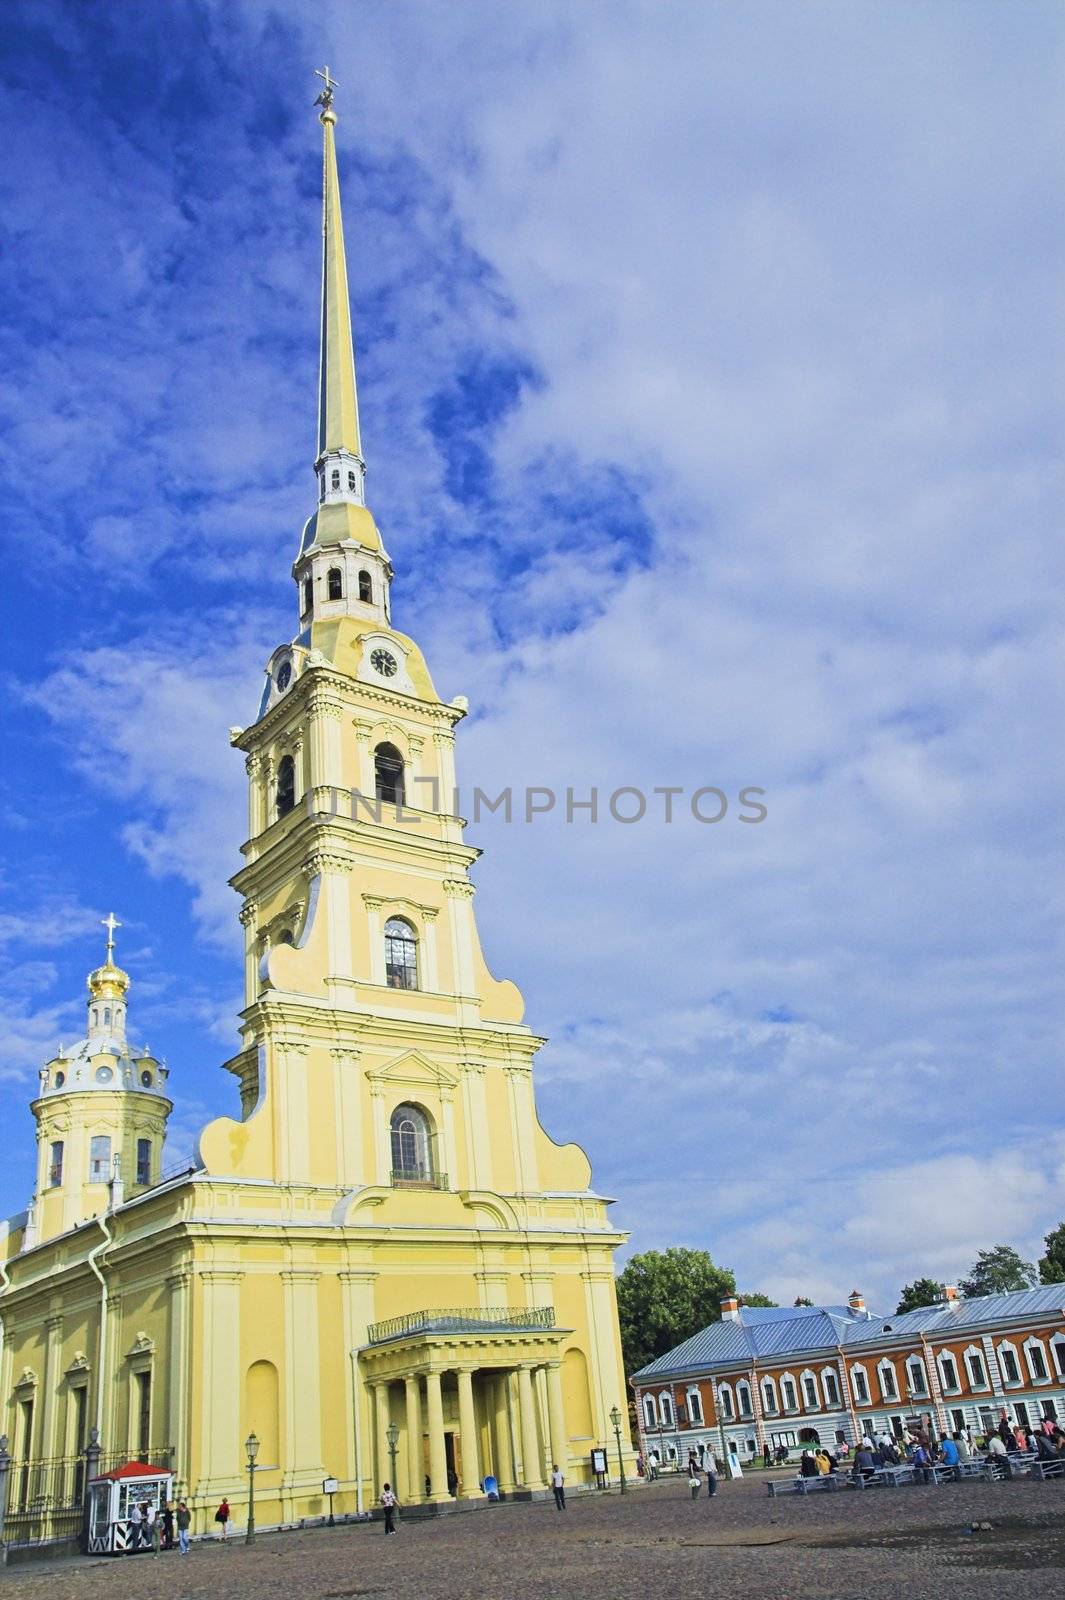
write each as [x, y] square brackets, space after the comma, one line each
[418, 1178]
[461, 1319]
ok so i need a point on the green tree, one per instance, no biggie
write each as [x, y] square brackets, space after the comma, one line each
[997, 1271]
[921, 1292]
[1052, 1265]
[755, 1300]
[801, 1300]
[666, 1296]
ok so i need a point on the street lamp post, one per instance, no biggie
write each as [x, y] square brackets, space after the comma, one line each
[251, 1446]
[5, 1467]
[392, 1435]
[615, 1418]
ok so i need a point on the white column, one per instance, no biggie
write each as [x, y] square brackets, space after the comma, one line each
[475, 1110]
[303, 1420]
[532, 1472]
[434, 1409]
[431, 972]
[376, 938]
[178, 1383]
[221, 1441]
[415, 1452]
[470, 1488]
[382, 1417]
[522, 1127]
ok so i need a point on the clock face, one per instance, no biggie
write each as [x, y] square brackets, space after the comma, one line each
[284, 675]
[384, 662]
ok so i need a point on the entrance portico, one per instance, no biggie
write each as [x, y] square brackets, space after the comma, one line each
[473, 1393]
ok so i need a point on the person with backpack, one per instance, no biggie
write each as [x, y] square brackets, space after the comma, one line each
[222, 1516]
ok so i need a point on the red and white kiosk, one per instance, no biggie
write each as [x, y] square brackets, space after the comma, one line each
[112, 1497]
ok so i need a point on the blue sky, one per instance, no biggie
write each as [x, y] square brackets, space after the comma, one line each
[709, 365]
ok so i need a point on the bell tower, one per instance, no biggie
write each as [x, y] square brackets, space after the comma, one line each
[101, 1113]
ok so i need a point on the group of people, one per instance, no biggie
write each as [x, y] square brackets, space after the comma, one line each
[153, 1527]
[923, 1452]
[698, 1469]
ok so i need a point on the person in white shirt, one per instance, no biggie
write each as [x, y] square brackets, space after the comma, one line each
[134, 1528]
[558, 1486]
[388, 1500]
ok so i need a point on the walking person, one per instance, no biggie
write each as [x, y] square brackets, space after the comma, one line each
[693, 1479]
[767, 1455]
[710, 1466]
[184, 1523]
[222, 1516]
[134, 1528]
[558, 1488]
[153, 1526]
[389, 1501]
[168, 1526]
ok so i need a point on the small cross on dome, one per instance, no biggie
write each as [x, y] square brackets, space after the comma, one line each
[110, 922]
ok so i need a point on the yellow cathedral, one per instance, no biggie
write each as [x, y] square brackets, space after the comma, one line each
[382, 1262]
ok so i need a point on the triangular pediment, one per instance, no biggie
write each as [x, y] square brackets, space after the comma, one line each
[413, 1068]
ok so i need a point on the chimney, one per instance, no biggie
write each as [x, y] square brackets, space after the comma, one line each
[951, 1296]
[730, 1309]
[857, 1303]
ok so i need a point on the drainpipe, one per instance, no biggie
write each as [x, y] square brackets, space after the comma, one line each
[105, 1244]
[358, 1430]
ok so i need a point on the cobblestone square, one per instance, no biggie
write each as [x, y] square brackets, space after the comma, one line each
[654, 1540]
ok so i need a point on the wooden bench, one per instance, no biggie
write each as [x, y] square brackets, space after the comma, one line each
[800, 1485]
[1042, 1468]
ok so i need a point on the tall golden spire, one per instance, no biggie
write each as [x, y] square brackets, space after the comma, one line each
[338, 406]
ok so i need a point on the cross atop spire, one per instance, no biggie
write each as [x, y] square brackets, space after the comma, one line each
[110, 922]
[325, 99]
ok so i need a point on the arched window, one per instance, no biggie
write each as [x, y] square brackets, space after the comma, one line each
[860, 1385]
[830, 1386]
[366, 588]
[286, 786]
[724, 1401]
[335, 480]
[412, 1160]
[650, 1415]
[308, 596]
[769, 1397]
[388, 774]
[107, 1016]
[665, 1406]
[889, 1388]
[695, 1405]
[743, 1398]
[351, 482]
[401, 954]
[916, 1376]
[810, 1396]
[1035, 1355]
[335, 584]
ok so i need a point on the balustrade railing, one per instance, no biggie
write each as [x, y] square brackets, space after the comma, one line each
[462, 1319]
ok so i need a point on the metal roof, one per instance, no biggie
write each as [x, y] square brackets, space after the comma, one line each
[781, 1332]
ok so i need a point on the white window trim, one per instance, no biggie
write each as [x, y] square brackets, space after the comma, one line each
[744, 1411]
[985, 1386]
[808, 1404]
[667, 1410]
[857, 1368]
[650, 1411]
[886, 1367]
[1000, 1350]
[948, 1388]
[830, 1372]
[693, 1393]
[726, 1402]
[1030, 1344]
[789, 1410]
[1057, 1342]
[917, 1362]
[770, 1397]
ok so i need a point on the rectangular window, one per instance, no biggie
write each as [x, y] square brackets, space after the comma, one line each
[831, 1388]
[99, 1158]
[1011, 1372]
[958, 1419]
[787, 1389]
[1021, 1412]
[861, 1388]
[55, 1165]
[809, 1389]
[1049, 1410]
[726, 1403]
[949, 1371]
[977, 1375]
[144, 1161]
[1036, 1362]
[769, 1400]
[26, 1433]
[918, 1384]
[888, 1386]
[143, 1397]
[743, 1395]
[1058, 1347]
[695, 1405]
